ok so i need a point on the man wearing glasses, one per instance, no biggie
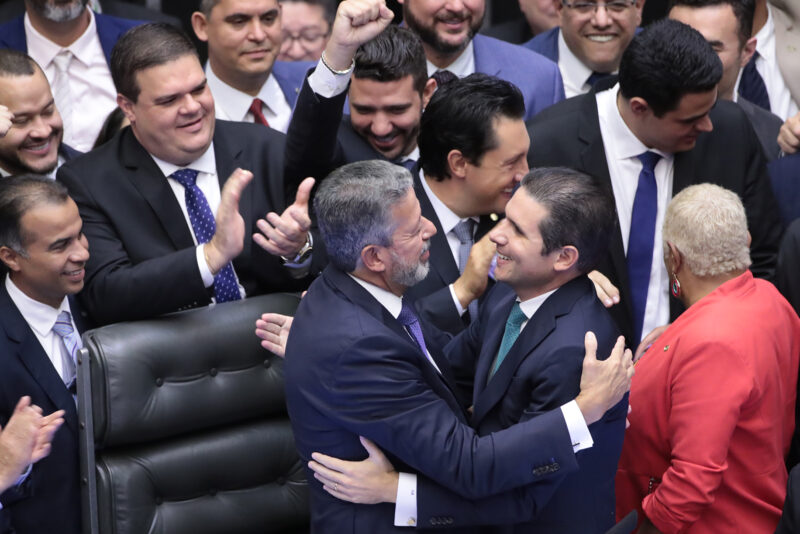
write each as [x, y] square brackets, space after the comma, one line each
[244, 38]
[306, 26]
[589, 41]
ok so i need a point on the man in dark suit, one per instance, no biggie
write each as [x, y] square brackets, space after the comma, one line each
[373, 377]
[726, 25]
[162, 217]
[448, 33]
[73, 46]
[244, 38]
[43, 249]
[657, 123]
[589, 40]
[10, 9]
[33, 143]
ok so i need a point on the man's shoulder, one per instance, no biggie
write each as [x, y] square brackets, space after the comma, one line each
[565, 110]
[544, 43]
[12, 34]
[111, 22]
[512, 55]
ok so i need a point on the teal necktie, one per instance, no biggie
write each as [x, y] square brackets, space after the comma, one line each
[510, 335]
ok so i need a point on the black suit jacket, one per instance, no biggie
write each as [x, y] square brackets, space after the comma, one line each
[568, 134]
[49, 499]
[143, 261]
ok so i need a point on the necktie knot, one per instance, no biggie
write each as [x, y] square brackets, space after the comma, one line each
[595, 77]
[63, 326]
[62, 60]
[649, 160]
[464, 231]
[256, 108]
[510, 335]
[516, 317]
[186, 177]
[407, 315]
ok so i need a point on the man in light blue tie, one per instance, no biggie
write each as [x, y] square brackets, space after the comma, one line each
[43, 250]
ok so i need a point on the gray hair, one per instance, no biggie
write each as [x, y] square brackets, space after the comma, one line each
[707, 223]
[354, 208]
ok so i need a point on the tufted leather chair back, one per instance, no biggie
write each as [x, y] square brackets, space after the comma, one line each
[184, 426]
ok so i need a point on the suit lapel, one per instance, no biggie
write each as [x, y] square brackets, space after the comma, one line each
[441, 259]
[484, 63]
[107, 33]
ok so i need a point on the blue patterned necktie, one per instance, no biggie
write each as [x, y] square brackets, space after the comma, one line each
[510, 335]
[465, 231]
[64, 329]
[752, 86]
[204, 225]
[408, 318]
[641, 239]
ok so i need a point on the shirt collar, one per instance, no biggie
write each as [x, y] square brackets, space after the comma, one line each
[447, 218]
[206, 163]
[413, 156]
[387, 299]
[235, 103]
[82, 48]
[532, 305]
[574, 70]
[464, 64]
[626, 144]
[40, 316]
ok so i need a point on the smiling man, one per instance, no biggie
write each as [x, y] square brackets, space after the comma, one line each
[33, 143]
[589, 40]
[168, 208]
[244, 38]
[656, 132]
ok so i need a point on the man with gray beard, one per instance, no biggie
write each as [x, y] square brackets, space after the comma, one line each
[73, 45]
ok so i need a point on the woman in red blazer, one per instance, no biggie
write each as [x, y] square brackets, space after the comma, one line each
[713, 398]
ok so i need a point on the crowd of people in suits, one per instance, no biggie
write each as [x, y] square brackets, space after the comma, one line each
[481, 227]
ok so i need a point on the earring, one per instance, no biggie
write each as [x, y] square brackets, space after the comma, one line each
[675, 286]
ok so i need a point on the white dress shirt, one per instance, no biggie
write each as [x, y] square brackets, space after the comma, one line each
[234, 105]
[92, 91]
[462, 66]
[780, 99]
[573, 72]
[622, 148]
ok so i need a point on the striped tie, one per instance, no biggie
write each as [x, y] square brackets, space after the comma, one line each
[72, 343]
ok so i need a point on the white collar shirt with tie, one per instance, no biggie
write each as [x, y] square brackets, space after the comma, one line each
[462, 66]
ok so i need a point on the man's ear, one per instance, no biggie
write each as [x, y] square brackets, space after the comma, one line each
[372, 258]
[637, 105]
[566, 259]
[200, 25]
[11, 258]
[126, 106]
[427, 92]
[457, 164]
[748, 50]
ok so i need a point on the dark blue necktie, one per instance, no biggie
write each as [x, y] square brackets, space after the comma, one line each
[596, 77]
[225, 286]
[752, 86]
[409, 164]
[640, 239]
[408, 318]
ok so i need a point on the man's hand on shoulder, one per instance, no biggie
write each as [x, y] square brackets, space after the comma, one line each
[603, 383]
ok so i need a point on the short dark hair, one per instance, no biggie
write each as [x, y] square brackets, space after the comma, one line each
[744, 10]
[460, 116]
[18, 195]
[16, 63]
[394, 54]
[666, 61]
[580, 212]
[328, 7]
[143, 47]
[111, 126]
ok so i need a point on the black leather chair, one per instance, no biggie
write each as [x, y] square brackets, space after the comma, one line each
[184, 426]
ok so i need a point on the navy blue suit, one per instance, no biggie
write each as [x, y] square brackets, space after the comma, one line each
[49, 499]
[290, 76]
[352, 370]
[537, 78]
[541, 372]
[109, 30]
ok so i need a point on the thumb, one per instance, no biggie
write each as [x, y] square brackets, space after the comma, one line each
[304, 193]
[590, 344]
[371, 448]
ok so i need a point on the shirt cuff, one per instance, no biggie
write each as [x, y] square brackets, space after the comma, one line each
[205, 270]
[405, 508]
[327, 84]
[576, 426]
[459, 308]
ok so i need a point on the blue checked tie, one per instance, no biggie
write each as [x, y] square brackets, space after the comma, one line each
[408, 318]
[641, 237]
[510, 335]
[225, 286]
[64, 329]
[464, 231]
[752, 86]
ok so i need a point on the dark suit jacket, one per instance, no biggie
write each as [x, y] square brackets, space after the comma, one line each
[14, 8]
[541, 372]
[766, 126]
[109, 30]
[729, 156]
[49, 499]
[546, 44]
[783, 174]
[515, 31]
[143, 261]
[352, 370]
[790, 519]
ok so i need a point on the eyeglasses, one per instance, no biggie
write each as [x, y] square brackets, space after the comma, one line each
[307, 39]
[587, 8]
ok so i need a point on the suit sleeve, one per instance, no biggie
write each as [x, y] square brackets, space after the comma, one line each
[115, 289]
[379, 394]
[439, 309]
[702, 417]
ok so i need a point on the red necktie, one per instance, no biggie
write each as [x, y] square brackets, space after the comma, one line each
[258, 115]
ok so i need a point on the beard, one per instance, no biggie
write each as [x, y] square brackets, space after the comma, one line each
[409, 274]
[427, 32]
[56, 11]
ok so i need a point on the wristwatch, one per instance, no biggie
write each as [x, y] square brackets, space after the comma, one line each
[304, 252]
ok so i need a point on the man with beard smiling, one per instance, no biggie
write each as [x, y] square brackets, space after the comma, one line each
[448, 32]
[167, 206]
[73, 46]
[33, 142]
